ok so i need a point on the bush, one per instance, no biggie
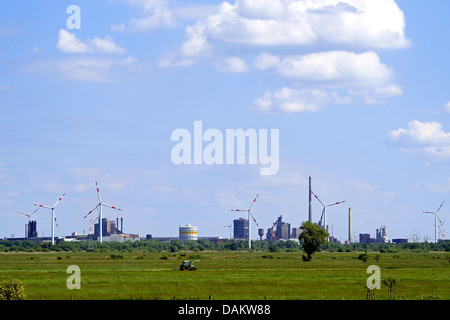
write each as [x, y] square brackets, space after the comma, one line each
[12, 290]
[363, 257]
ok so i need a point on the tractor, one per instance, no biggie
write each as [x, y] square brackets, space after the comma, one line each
[187, 266]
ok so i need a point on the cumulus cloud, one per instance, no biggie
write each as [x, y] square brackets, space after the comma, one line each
[266, 61]
[370, 24]
[338, 77]
[155, 13]
[68, 42]
[89, 69]
[318, 78]
[446, 106]
[427, 138]
[292, 100]
[274, 23]
[342, 67]
[232, 65]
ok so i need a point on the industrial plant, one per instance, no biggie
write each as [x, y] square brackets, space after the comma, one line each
[103, 229]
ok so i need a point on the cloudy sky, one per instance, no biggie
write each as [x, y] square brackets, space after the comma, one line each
[359, 91]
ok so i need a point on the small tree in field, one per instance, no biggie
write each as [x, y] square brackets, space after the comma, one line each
[12, 290]
[311, 237]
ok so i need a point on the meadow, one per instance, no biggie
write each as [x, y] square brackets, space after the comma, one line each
[227, 275]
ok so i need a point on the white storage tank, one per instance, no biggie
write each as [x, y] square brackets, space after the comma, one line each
[188, 232]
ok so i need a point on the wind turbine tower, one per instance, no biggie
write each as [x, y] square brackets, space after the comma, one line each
[100, 215]
[324, 211]
[53, 216]
[436, 217]
[249, 223]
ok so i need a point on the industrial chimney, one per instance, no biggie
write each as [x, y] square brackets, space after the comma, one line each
[349, 225]
[310, 209]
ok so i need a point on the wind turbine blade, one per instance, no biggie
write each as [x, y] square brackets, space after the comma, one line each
[108, 205]
[318, 198]
[439, 219]
[253, 202]
[239, 210]
[439, 207]
[98, 193]
[59, 200]
[333, 204]
[253, 217]
[42, 206]
[91, 211]
[35, 211]
[25, 214]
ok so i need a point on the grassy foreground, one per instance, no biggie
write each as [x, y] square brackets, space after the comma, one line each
[227, 275]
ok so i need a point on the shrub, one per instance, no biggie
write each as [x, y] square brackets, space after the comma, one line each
[12, 289]
[363, 257]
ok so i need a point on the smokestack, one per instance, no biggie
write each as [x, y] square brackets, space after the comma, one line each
[121, 225]
[310, 210]
[349, 225]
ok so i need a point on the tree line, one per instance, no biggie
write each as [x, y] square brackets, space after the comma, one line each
[207, 245]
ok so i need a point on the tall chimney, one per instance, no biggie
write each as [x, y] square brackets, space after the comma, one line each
[310, 209]
[121, 225]
[349, 225]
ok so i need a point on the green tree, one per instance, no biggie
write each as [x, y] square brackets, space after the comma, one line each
[12, 289]
[311, 237]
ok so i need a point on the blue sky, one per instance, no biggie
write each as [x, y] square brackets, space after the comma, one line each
[359, 92]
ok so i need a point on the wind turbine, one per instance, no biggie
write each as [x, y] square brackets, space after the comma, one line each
[53, 216]
[324, 211]
[249, 223]
[230, 226]
[436, 217]
[100, 216]
[28, 215]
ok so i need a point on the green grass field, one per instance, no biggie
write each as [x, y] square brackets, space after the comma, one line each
[227, 275]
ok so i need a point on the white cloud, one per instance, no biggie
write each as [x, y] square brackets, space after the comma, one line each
[156, 13]
[353, 23]
[194, 48]
[291, 100]
[362, 23]
[427, 138]
[68, 42]
[421, 133]
[446, 106]
[341, 67]
[231, 65]
[265, 61]
[89, 69]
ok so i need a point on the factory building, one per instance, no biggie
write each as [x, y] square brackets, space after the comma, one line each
[31, 229]
[188, 232]
[121, 237]
[280, 231]
[108, 228]
[365, 238]
[295, 233]
[240, 228]
[382, 235]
